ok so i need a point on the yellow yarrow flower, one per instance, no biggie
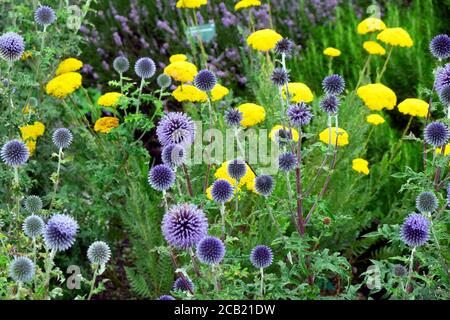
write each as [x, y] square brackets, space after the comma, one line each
[263, 40]
[414, 107]
[377, 96]
[370, 25]
[252, 114]
[375, 119]
[106, 124]
[189, 93]
[396, 37]
[299, 92]
[182, 71]
[69, 65]
[177, 57]
[342, 137]
[110, 99]
[247, 3]
[361, 165]
[332, 52]
[218, 92]
[191, 3]
[446, 152]
[374, 48]
[247, 180]
[32, 131]
[27, 54]
[63, 85]
[31, 146]
[273, 135]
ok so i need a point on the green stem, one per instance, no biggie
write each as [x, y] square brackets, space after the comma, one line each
[399, 143]
[94, 277]
[380, 76]
[411, 260]
[222, 214]
[261, 270]
[56, 184]
[48, 269]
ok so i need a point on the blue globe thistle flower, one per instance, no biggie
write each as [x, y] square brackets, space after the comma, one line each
[279, 77]
[442, 77]
[33, 226]
[330, 104]
[161, 177]
[12, 46]
[33, 204]
[415, 230]
[333, 84]
[426, 202]
[22, 269]
[185, 284]
[44, 15]
[233, 117]
[121, 64]
[284, 46]
[400, 271]
[283, 137]
[166, 297]
[287, 161]
[436, 134]
[299, 114]
[145, 68]
[440, 46]
[60, 231]
[173, 155]
[99, 253]
[177, 128]
[164, 81]
[264, 184]
[444, 95]
[210, 250]
[261, 256]
[205, 80]
[15, 153]
[62, 138]
[221, 191]
[184, 225]
[237, 168]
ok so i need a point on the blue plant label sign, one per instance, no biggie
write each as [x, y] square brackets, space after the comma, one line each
[206, 32]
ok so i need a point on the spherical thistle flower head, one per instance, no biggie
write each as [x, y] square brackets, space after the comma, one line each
[22, 269]
[166, 297]
[99, 253]
[299, 114]
[184, 225]
[164, 81]
[161, 177]
[33, 204]
[183, 284]
[62, 138]
[333, 84]
[121, 64]
[426, 202]
[60, 231]
[400, 270]
[210, 250]
[442, 77]
[205, 80]
[145, 68]
[233, 117]
[177, 128]
[33, 226]
[436, 134]
[237, 168]
[264, 184]
[444, 95]
[279, 77]
[222, 191]
[12, 46]
[261, 256]
[287, 161]
[284, 46]
[44, 16]
[440, 46]
[415, 230]
[173, 155]
[330, 104]
[15, 153]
